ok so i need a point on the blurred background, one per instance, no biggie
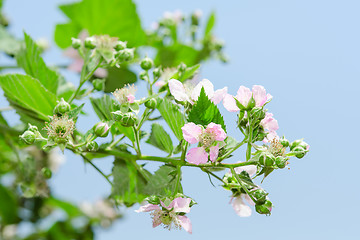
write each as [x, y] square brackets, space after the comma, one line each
[307, 55]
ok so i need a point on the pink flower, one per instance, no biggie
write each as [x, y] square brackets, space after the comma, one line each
[181, 93]
[244, 95]
[207, 137]
[169, 215]
[126, 94]
[270, 126]
[238, 203]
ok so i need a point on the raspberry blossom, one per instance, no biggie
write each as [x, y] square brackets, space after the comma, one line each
[171, 215]
[207, 137]
[270, 126]
[125, 95]
[244, 96]
[184, 94]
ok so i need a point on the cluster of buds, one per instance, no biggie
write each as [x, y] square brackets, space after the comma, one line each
[110, 49]
[31, 135]
[169, 212]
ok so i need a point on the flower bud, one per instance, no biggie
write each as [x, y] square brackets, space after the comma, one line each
[301, 151]
[125, 55]
[151, 103]
[62, 107]
[33, 128]
[143, 75]
[264, 208]
[28, 137]
[120, 46]
[146, 63]
[75, 43]
[89, 43]
[157, 73]
[153, 200]
[284, 141]
[260, 196]
[266, 159]
[182, 67]
[46, 172]
[101, 129]
[257, 113]
[299, 143]
[128, 120]
[280, 162]
[92, 146]
[99, 84]
[118, 115]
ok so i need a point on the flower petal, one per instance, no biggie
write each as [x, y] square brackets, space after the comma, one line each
[148, 208]
[182, 204]
[197, 156]
[269, 123]
[240, 207]
[248, 199]
[250, 169]
[216, 130]
[219, 95]
[130, 98]
[230, 103]
[243, 95]
[208, 87]
[191, 132]
[259, 94]
[214, 153]
[185, 223]
[177, 90]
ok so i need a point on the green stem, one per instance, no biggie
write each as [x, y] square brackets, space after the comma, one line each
[248, 149]
[232, 150]
[214, 175]
[137, 141]
[115, 142]
[177, 180]
[89, 161]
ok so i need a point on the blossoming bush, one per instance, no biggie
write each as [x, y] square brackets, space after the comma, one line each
[198, 138]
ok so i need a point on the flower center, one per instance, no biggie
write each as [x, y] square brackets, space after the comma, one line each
[276, 148]
[207, 139]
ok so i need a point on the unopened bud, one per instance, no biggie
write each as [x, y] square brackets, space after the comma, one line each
[257, 113]
[182, 67]
[299, 143]
[301, 152]
[75, 43]
[266, 159]
[28, 137]
[143, 75]
[101, 129]
[33, 128]
[280, 162]
[264, 208]
[157, 73]
[89, 43]
[128, 120]
[92, 146]
[46, 172]
[99, 84]
[120, 46]
[146, 63]
[62, 107]
[125, 55]
[260, 196]
[151, 103]
[153, 200]
[284, 142]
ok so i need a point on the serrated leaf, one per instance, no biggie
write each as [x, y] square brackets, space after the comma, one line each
[28, 96]
[173, 116]
[117, 18]
[160, 138]
[209, 24]
[75, 112]
[104, 106]
[30, 60]
[204, 112]
[245, 177]
[129, 184]
[171, 56]
[118, 78]
[118, 129]
[188, 73]
[163, 181]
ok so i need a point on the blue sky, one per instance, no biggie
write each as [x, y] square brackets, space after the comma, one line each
[307, 55]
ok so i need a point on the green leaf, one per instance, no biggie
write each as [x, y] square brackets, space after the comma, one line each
[8, 43]
[28, 96]
[75, 112]
[129, 183]
[163, 181]
[171, 56]
[118, 78]
[209, 25]
[204, 112]
[8, 206]
[71, 210]
[188, 74]
[104, 106]
[30, 60]
[230, 143]
[160, 138]
[117, 18]
[118, 129]
[173, 116]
